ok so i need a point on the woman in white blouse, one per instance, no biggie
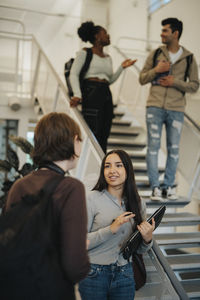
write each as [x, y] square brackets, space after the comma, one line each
[94, 94]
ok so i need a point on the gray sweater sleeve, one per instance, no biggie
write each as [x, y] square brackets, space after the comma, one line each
[102, 234]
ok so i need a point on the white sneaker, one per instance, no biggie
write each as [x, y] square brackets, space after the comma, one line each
[169, 193]
[156, 194]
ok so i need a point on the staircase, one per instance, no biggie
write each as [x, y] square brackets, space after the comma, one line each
[181, 249]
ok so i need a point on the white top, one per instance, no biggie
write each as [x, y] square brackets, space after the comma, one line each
[100, 67]
[175, 56]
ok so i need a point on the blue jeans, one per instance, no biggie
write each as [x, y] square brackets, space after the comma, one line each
[173, 120]
[108, 282]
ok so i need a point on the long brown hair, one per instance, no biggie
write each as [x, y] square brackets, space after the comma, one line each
[130, 193]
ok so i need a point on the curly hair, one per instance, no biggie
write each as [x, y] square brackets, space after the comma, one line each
[87, 31]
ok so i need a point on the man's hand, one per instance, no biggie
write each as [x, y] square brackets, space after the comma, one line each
[74, 101]
[166, 81]
[162, 66]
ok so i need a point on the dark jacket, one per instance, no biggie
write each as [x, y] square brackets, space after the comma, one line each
[70, 208]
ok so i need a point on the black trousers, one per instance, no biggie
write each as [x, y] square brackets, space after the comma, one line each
[97, 109]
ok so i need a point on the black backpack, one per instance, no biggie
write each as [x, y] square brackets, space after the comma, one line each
[30, 266]
[68, 66]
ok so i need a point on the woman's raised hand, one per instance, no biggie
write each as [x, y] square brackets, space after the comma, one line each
[74, 101]
[120, 220]
[128, 62]
[146, 229]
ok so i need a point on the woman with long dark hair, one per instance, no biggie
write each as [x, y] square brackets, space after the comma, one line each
[114, 210]
[94, 92]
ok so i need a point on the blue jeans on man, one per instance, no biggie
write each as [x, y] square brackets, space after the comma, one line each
[173, 120]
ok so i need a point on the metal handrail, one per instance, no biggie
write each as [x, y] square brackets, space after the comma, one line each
[46, 13]
[192, 121]
[172, 277]
[136, 39]
[15, 21]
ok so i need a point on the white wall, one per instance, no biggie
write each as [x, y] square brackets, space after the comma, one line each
[57, 35]
[95, 10]
[129, 19]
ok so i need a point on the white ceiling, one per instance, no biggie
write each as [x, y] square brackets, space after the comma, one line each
[32, 13]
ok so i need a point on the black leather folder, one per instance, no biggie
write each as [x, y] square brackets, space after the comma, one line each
[133, 242]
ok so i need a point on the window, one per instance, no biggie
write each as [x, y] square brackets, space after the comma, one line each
[156, 4]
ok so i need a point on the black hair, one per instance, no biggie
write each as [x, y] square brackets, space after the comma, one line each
[175, 24]
[130, 193]
[87, 31]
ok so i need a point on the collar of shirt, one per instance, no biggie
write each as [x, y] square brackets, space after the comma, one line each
[114, 199]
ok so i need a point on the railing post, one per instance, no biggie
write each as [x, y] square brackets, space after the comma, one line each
[56, 98]
[35, 75]
[83, 159]
[194, 181]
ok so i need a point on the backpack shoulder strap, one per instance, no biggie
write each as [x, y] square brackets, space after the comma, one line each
[52, 184]
[156, 53]
[189, 61]
[45, 193]
[86, 63]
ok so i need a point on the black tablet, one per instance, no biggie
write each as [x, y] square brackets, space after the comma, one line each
[133, 242]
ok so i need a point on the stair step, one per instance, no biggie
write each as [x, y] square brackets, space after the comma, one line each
[192, 288]
[120, 130]
[180, 202]
[178, 239]
[121, 122]
[184, 261]
[124, 141]
[180, 219]
[190, 274]
[144, 188]
[118, 114]
[141, 179]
